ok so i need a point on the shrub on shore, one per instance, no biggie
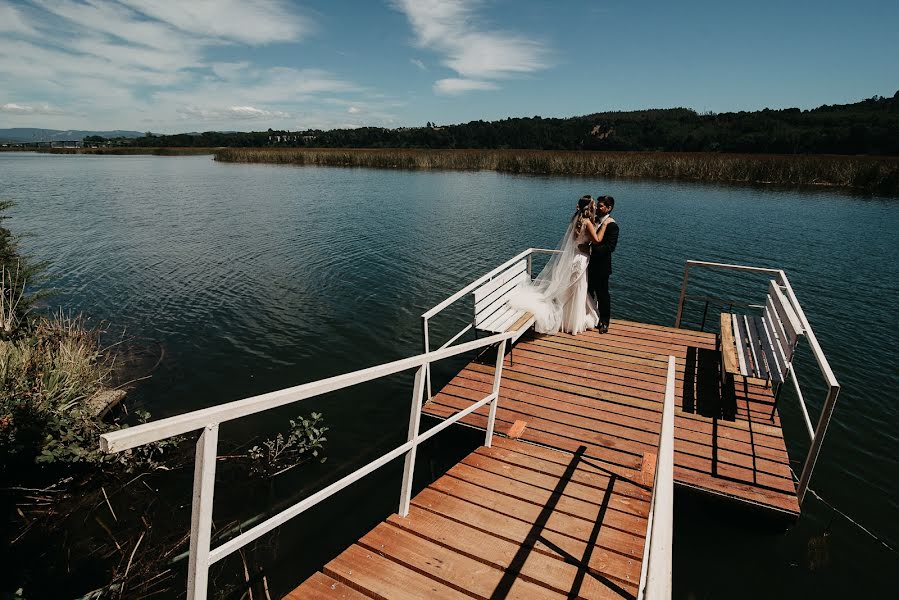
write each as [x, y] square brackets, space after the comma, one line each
[50, 370]
[870, 174]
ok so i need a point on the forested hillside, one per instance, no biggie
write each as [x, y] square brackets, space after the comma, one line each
[867, 127]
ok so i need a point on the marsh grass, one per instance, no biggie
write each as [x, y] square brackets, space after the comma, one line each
[870, 174]
[48, 371]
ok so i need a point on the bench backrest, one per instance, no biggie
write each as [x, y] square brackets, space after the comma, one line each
[764, 345]
[773, 337]
[491, 299]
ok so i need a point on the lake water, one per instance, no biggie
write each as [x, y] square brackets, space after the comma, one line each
[249, 278]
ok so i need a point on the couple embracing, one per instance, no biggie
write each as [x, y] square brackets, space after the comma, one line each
[571, 294]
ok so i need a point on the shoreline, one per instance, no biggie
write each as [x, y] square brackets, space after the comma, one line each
[867, 174]
[858, 173]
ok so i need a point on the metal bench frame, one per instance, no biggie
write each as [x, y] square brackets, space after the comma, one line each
[788, 321]
[761, 347]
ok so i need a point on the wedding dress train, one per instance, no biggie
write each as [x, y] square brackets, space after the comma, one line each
[558, 297]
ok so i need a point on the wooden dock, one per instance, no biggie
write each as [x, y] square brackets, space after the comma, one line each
[558, 506]
[511, 521]
[605, 392]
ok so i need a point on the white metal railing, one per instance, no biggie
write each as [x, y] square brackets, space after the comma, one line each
[209, 419]
[468, 289]
[816, 434]
[655, 575]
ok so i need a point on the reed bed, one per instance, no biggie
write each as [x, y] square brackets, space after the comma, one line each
[869, 174]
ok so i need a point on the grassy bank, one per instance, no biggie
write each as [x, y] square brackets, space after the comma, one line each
[870, 174]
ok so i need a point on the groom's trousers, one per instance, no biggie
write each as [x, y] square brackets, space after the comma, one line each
[599, 288]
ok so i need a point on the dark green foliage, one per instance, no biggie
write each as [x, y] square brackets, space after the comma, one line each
[304, 441]
[867, 127]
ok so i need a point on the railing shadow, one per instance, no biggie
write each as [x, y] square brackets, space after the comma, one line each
[535, 535]
[703, 394]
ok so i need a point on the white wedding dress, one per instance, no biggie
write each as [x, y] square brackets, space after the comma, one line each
[558, 296]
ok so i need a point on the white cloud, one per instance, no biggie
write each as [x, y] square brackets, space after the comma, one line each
[449, 27]
[117, 62]
[231, 113]
[455, 87]
[354, 110]
[253, 22]
[418, 64]
[26, 109]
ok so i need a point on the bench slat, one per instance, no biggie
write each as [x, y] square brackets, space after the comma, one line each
[499, 295]
[775, 333]
[755, 344]
[498, 317]
[741, 345]
[728, 347]
[504, 325]
[783, 339]
[773, 353]
[491, 312]
[485, 290]
[785, 312]
[502, 290]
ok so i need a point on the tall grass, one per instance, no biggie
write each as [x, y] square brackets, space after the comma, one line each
[871, 174]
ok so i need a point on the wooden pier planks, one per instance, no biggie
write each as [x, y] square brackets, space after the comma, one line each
[606, 391]
[511, 521]
[565, 515]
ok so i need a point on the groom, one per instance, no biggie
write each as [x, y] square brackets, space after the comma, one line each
[600, 266]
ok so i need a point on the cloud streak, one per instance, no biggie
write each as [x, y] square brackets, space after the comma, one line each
[231, 113]
[25, 109]
[152, 58]
[480, 57]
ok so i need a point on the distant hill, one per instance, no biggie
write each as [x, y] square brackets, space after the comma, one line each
[30, 134]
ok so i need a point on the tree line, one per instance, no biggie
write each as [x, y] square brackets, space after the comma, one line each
[867, 127]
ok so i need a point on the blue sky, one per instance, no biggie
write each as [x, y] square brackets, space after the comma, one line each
[198, 65]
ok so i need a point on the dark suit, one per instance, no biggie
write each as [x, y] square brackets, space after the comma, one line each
[600, 268]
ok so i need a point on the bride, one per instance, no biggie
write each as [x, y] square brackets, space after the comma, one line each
[558, 296]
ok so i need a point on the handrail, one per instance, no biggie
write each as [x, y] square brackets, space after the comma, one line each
[467, 290]
[208, 419]
[816, 435]
[655, 576]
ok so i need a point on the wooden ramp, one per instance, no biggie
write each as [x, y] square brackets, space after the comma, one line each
[511, 521]
[605, 392]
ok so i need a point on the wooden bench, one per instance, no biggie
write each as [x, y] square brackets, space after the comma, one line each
[761, 347]
[492, 312]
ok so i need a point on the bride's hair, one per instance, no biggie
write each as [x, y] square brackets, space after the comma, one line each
[586, 209]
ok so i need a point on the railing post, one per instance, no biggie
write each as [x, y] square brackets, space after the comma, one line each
[414, 421]
[655, 575]
[497, 376]
[201, 513]
[531, 266]
[424, 331]
[683, 293]
[820, 430]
